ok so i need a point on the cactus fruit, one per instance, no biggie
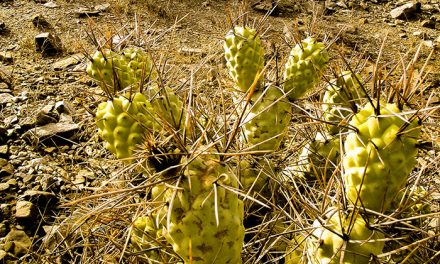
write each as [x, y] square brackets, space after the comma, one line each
[304, 68]
[343, 239]
[244, 57]
[123, 122]
[318, 157]
[115, 72]
[341, 92]
[379, 156]
[205, 223]
[267, 121]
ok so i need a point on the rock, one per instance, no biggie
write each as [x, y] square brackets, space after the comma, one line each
[419, 34]
[5, 257]
[3, 135]
[25, 210]
[40, 134]
[6, 98]
[266, 6]
[4, 229]
[64, 63]
[84, 12]
[63, 107]
[50, 4]
[17, 243]
[102, 7]
[2, 27]
[428, 23]
[406, 11]
[4, 151]
[40, 197]
[6, 57]
[46, 116]
[48, 44]
[40, 22]
[4, 186]
[6, 168]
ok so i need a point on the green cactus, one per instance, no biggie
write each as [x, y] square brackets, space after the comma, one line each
[267, 121]
[304, 68]
[123, 123]
[115, 72]
[168, 107]
[147, 236]
[379, 156]
[343, 239]
[205, 219]
[337, 100]
[318, 158]
[244, 57]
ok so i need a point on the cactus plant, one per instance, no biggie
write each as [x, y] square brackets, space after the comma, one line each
[343, 239]
[337, 100]
[379, 155]
[205, 223]
[267, 121]
[304, 68]
[117, 71]
[123, 122]
[244, 57]
[317, 158]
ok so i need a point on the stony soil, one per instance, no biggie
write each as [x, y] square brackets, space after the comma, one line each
[49, 152]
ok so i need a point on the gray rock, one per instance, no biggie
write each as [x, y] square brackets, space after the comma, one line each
[428, 23]
[5, 257]
[48, 44]
[6, 168]
[17, 243]
[25, 210]
[39, 134]
[2, 27]
[406, 11]
[84, 13]
[64, 107]
[70, 61]
[6, 57]
[40, 197]
[102, 8]
[6, 98]
[50, 5]
[40, 22]
[4, 186]
[4, 229]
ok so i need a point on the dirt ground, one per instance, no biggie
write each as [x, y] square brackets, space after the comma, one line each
[187, 35]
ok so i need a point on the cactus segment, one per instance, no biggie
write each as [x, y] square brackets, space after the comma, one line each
[379, 156]
[343, 239]
[147, 236]
[168, 107]
[337, 100]
[115, 72]
[304, 68]
[244, 57]
[205, 219]
[318, 157]
[267, 121]
[123, 123]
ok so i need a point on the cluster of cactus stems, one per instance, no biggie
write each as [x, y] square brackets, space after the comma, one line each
[202, 216]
